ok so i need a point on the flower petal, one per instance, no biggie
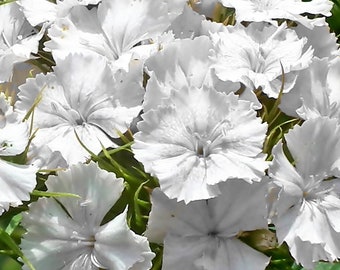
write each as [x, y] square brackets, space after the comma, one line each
[99, 190]
[117, 247]
[16, 182]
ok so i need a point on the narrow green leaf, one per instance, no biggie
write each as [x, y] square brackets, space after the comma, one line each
[13, 224]
[6, 2]
[327, 266]
[35, 103]
[7, 240]
[274, 111]
[93, 155]
[138, 203]
[53, 194]
[8, 252]
[120, 148]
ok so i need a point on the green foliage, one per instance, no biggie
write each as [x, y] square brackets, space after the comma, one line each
[139, 184]
[328, 266]
[334, 20]
[2, 2]
[10, 235]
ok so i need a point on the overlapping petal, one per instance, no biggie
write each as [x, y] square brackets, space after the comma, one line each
[269, 10]
[307, 205]
[14, 133]
[16, 183]
[67, 234]
[257, 56]
[189, 143]
[195, 235]
[41, 11]
[18, 39]
[112, 29]
[188, 65]
[66, 103]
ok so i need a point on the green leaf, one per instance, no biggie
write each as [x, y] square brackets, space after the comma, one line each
[35, 103]
[8, 240]
[13, 224]
[7, 262]
[53, 194]
[334, 20]
[327, 266]
[2, 2]
[138, 204]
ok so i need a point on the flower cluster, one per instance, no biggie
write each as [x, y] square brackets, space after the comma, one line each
[169, 134]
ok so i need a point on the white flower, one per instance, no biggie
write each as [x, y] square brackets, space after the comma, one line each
[18, 39]
[67, 234]
[255, 55]
[203, 234]
[21, 71]
[308, 207]
[315, 93]
[13, 132]
[81, 96]
[44, 158]
[333, 82]
[175, 7]
[309, 97]
[111, 30]
[188, 65]
[187, 24]
[16, 182]
[268, 10]
[321, 39]
[206, 7]
[198, 138]
[41, 11]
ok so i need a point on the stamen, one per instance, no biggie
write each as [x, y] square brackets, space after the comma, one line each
[5, 39]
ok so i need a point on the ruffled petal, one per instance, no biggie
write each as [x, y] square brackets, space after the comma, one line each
[16, 182]
[117, 247]
[98, 190]
[189, 144]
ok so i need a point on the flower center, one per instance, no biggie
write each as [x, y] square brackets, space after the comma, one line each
[256, 60]
[80, 121]
[68, 114]
[201, 146]
[86, 240]
[316, 189]
[213, 233]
